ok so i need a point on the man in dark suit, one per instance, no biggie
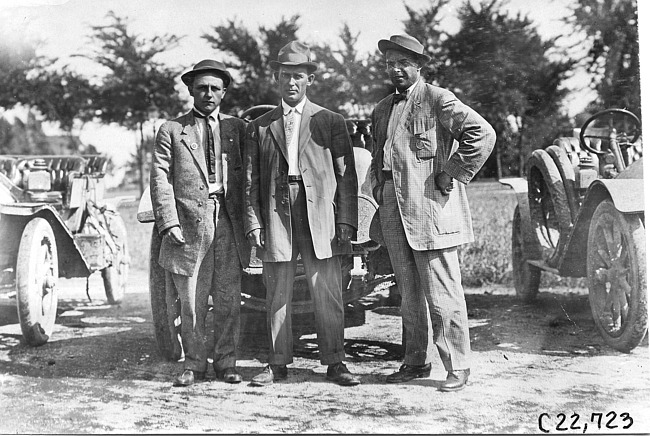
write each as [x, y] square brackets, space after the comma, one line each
[428, 145]
[197, 197]
[301, 198]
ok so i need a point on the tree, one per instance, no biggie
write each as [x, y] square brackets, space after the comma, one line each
[611, 27]
[27, 80]
[500, 66]
[347, 81]
[249, 57]
[136, 86]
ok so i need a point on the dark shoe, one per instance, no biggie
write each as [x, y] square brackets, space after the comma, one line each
[270, 374]
[229, 375]
[409, 372]
[339, 373]
[188, 377]
[456, 380]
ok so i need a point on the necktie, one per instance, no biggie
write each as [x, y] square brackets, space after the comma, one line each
[210, 158]
[398, 97]
[289, 126]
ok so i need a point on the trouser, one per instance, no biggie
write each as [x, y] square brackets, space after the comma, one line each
[324, 282]
[218, 275]
[429, 281]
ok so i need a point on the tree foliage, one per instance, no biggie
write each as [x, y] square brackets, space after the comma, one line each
[137, 87]
[248, 56]
[500, 66]
[611, 27]
[136, 82]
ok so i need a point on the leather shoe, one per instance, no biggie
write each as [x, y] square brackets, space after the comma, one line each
[456, 380]
[270, 374]
[339, 373]
[188, 377]
[409, 372]
[229, 375]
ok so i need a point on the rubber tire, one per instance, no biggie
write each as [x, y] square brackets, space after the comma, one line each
[634, 324]
[526, 277]
[167, 338]
[37, 258]
[545, 182]
[115, 277]
[563, 163]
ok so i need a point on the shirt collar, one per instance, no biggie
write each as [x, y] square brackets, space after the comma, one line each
[299, 107]
[214, 114]
[410, 88]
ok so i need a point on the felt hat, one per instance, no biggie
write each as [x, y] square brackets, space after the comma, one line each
[405, 43]
[295, 54]
[207, 66]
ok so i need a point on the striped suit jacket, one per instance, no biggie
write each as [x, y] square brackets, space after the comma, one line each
[436, 132]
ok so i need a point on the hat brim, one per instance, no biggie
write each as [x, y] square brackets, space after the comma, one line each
[225, 75]
[311, 66]
[385, 45]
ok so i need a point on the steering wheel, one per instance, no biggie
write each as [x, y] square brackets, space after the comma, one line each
[620, 119]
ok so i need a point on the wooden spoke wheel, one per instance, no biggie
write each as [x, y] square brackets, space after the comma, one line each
[549, 208]
[37, 271]
[525, 275]
[115, 276]
[616, 276]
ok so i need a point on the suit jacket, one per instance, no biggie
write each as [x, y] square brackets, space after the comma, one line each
[436, 132]
[179, 189]
[326, 163]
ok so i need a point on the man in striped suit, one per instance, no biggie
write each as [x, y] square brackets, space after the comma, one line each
[428, 145]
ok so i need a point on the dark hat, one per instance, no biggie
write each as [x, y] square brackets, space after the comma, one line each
[295, 54]
[207, 66]
[405, 43]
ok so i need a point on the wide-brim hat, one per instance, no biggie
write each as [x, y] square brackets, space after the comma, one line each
[405, 43]
[295, 54]
[208, 66]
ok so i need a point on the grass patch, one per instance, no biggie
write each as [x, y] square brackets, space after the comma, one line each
[485, 261]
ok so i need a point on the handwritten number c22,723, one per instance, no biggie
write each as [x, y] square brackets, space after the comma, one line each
[563, 422]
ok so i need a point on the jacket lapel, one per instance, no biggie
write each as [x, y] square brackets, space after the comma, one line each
[191, 138]
[412, 106]
[226, 134]
[305, 131]
[277, 130]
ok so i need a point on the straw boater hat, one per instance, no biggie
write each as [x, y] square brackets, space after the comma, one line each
[295, 54]
[405, 43]
[207, 66]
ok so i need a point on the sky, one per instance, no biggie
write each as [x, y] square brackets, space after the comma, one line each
[63, 27]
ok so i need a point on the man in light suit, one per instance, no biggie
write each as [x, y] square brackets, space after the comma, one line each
[301, 198]
[197, 197]
[428, 145]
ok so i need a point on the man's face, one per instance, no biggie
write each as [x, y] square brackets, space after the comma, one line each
[402, 68]
[293, 83]
[208, 91]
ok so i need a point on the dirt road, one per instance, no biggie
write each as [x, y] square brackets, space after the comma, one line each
[532, 365]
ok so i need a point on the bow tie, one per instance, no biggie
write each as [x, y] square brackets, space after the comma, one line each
[398, 97]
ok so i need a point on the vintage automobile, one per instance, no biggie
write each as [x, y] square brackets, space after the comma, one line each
[581, 213]
[363, 269]
[55, 222]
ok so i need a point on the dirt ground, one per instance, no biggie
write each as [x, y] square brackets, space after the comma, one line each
[533, 365]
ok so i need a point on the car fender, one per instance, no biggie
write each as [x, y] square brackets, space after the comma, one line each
[627, 196]
[71, 261]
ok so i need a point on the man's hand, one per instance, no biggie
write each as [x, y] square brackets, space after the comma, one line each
[256, 238]
[176, 235]
[445, 183]
[344, 233]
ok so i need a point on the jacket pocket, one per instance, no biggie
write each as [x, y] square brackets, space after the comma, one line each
[446, 216]
[425, 144]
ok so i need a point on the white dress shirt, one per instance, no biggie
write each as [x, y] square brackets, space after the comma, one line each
[292, 143]
[216, 134]
[395, 116]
